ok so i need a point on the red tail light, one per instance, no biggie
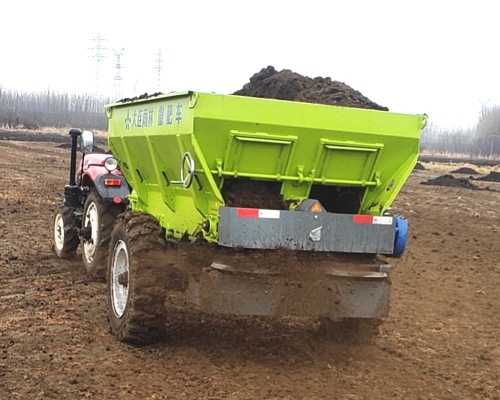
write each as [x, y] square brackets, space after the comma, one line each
[112, 182]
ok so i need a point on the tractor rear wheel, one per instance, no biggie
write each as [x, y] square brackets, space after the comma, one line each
[65, 238]
[137, 279]
[97, 224]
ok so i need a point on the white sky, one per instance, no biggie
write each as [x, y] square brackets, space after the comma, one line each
[438, 57]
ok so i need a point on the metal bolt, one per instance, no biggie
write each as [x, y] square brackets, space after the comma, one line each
[206, 226]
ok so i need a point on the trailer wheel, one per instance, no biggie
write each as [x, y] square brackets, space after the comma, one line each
[97, 224]
[136, 279]
[65, 238]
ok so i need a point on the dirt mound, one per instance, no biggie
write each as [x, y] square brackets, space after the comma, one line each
[253, 194]
[491, 177]
[419, 167]
[288, 85]
[465, 170]
[450, 180]
[141, 97]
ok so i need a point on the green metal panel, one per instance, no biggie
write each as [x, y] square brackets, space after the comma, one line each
[298, 144]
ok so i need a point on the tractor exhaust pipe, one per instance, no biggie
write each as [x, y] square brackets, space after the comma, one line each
[75, 134]
[71, 191]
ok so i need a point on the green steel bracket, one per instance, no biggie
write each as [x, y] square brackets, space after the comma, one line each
[193, 99]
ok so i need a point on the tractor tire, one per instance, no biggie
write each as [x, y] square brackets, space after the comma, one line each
[137, 279]
[65, 238]
[97, 224]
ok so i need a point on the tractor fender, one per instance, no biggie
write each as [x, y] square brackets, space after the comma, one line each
[93, 171]
[114, 193]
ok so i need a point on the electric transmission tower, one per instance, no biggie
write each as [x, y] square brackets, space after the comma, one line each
[99, 56]
[158, 68]
[117, 84]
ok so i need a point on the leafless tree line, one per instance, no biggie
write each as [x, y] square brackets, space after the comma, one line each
[49, 109]
[481, 141]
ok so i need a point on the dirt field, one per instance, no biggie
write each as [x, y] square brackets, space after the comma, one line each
[440, 341]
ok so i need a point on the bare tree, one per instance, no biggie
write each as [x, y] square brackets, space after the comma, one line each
[488, 131]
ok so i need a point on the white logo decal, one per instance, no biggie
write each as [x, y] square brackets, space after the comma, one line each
[315, 234]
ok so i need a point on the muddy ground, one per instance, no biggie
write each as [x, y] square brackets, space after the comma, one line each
[440, 341]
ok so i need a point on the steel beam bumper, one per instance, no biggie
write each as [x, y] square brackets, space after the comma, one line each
[300, 230]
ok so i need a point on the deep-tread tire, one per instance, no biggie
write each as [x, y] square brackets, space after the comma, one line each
[67, 245]
[143, 317]
[107, 212]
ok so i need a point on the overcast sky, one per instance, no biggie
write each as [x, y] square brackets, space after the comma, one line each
[436, 57]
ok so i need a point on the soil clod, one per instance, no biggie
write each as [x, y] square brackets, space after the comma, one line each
[465, 171]
[450, 180]
[491, 177]
[419, 167]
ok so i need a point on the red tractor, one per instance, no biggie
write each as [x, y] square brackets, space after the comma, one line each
[95, 196]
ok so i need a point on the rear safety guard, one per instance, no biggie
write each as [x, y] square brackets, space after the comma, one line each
[300, 230]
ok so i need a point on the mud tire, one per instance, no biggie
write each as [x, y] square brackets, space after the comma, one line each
[142, 318]
[69, 241]
[107, 213]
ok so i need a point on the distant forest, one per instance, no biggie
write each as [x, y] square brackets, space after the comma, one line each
[34, 110]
